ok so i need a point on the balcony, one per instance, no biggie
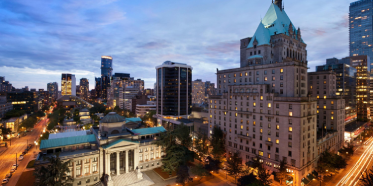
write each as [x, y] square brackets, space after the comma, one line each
[244, 137]
[269, 143]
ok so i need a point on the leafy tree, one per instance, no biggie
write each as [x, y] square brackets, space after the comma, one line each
[199, 170]
[45, 136]
[176, 145]
[201, 143]
[234, 164]
[247, 180]
[263, 176]
[149, 117]
[39, 114]
[54, 173]
[213, 165]
[347, 151]
[97, 108]
[217, 142]
[182, 175]
[367, 177]
[329, 163]
[282, 174]
[5, 131]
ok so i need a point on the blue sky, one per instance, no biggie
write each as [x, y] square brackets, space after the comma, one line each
[41, 39]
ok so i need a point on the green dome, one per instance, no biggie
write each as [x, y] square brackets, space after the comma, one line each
[112, 117]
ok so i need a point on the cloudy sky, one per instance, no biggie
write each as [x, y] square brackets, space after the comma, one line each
[41, 39]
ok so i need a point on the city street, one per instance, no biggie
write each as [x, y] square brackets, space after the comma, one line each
[18, 145]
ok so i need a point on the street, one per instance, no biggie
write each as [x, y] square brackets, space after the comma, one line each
[18, 145]
[365, 161]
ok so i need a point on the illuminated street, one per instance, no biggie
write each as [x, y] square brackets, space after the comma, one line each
[365, 161]
[8, 158]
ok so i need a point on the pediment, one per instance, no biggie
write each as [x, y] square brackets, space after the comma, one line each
[120, 143]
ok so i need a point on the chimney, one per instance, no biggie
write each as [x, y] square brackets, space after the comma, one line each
[279, 4]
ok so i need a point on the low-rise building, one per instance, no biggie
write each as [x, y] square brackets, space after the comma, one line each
[141, 110]
[85, 118]
[14, 124]
[4, 106]
[112, 150]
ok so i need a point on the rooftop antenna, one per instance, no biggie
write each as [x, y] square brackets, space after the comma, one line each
[283, 6]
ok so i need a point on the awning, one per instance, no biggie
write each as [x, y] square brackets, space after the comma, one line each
[305, 181]
[310, 177]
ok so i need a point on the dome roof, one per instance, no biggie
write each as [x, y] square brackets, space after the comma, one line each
[112, 117]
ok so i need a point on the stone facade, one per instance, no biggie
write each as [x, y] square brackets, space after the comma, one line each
[198, 92]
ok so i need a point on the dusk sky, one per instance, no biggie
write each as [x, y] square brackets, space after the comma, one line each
[41, 39]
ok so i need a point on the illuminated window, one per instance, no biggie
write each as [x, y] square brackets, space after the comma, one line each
[324, 82]
[269, 139]
[324, 97]
[210, 116]
[281, 71]
[332, 102]
[277, 127]
[240, 74]
[225, 113]
[261, 97]
[290, 113]
[241, 126]
[235, 80]
[317, 111]
[324, 107]
[254, 123]
[254, 104]
[269, 105]
[318, 97]
[260, 153]
[277, 141]
[332, 117]
[332, 112]
[261, 130]
[269, 156]
[290, 129]
[236, 114]
[310, 87]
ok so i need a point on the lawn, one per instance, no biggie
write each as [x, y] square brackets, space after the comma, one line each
[31, 164]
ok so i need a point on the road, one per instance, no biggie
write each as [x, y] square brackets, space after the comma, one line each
[18, 145]
[365, 161]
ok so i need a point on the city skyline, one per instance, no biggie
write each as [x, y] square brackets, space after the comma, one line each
[41, 45]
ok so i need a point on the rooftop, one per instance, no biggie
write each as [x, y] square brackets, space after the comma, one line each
[59, 142]
[133, 120]
[351, 127]
[116, 142]
[68, 134]
[147, 131]
[112, 117]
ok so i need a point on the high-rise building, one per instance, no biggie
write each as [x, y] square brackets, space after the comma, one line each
[84, 88]
[198, 92]
[123, 89]
[330, 108]
[106, 74]
[345, 84]
[174, 92]
[264, 103]
[210, 89]
[97, 88]
[5, 86]
[68, 84]
[53, 90]
[360, 24]
[77, 90]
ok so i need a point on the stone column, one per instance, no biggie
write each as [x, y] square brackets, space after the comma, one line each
[74, 169]
[90, 166]
[107, 163]
[136, 158]
[127, 161]
[118, 167]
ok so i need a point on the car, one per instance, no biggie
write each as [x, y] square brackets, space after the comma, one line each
[20, 158]
[15, 165]
[5, 181]
[12, 170]
[24, 152]
[8, 175]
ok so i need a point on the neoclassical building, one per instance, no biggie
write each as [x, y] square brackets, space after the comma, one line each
[112, 153]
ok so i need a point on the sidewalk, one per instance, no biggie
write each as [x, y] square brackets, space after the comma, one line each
[2, 150]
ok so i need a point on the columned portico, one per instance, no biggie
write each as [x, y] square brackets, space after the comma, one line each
[126, 161]
[118, 168]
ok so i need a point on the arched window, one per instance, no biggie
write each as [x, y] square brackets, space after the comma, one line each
[247, 90]
[242, 90]
[236, 90]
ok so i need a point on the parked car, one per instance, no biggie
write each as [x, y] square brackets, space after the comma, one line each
[15, 165]
[20, 158]
[5, 181]
[12, 170]
[24, 152]
[8, 175]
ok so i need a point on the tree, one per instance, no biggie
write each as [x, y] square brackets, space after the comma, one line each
[54, 173]
[201, 143]
[329, 163]
[199, 170]
[263, 176]
[217, 142]
[14, 113]
[182, 175]
[45, 136]
[367, 178]
[5, 131]
[234, 164]
[247, 180]
[347, 151]
[176, 144]
[282, 173]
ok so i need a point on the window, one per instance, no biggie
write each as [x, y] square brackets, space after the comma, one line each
[290, 113]
[277, 141]
[290, 144]
[290, 106]
[269, 105]
[86, 169]
[94, 168]
[278, 127]
[78, 171]
[290, 129]
[289, 153]
[281, 71]
[260, 153]
[273, 78]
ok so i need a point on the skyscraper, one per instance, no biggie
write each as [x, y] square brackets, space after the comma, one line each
[174, 92]
[97, 88]
[106, 74]
[68, 84]
[84, 88]
[53, 90]
[263, 106]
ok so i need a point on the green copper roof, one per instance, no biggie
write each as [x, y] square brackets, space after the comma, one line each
[255, 56]
[59, 142]
[146, 131]
[116, 142]
[133, 120]
[275, 21]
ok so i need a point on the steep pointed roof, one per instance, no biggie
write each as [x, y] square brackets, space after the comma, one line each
[275, 21]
